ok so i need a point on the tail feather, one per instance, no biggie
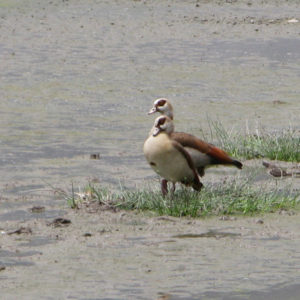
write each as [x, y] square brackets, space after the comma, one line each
[238, 164]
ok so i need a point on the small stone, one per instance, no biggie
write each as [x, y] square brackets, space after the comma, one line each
[285, 212]
[227, 218]
[259, 221]
[21, 230]
[95, 156]
[37, 209]
[59, 222]
[293, 21]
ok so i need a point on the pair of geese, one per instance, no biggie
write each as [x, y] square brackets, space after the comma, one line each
[178, 156]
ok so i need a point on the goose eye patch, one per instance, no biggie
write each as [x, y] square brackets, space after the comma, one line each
[161, 121]
[161, 102]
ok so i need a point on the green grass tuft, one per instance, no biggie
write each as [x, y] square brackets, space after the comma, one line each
[236, 196]
[222, 199]
[284, 145]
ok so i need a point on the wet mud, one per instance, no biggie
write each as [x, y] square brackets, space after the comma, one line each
[127, 255]
[77, 79]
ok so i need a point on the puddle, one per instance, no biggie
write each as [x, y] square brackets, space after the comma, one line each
[37, 241]
[286, 291]
[12, 263]
[25, 215]
[5, 253]
[7, 258]
[209, 234]
[277, 51]
[24, 189]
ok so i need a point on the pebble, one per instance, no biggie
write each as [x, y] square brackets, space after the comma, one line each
[259, 221]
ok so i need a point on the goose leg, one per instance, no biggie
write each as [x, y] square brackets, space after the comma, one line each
[164, 187]
[173, 188]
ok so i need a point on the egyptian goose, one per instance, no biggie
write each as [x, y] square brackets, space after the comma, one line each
[202, 153]
[168, 158]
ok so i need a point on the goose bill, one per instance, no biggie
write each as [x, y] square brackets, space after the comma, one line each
[156, 131]
[152, 110]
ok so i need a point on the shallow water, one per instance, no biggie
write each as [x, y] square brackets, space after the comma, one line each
[78, 77]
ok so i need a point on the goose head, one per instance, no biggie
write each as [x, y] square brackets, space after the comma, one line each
[162, 124]
[163, 106]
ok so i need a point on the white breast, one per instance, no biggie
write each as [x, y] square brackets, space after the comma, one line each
[166, 160]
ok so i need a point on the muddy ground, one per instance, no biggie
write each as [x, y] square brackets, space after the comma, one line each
[77, 78]
[125, 255]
